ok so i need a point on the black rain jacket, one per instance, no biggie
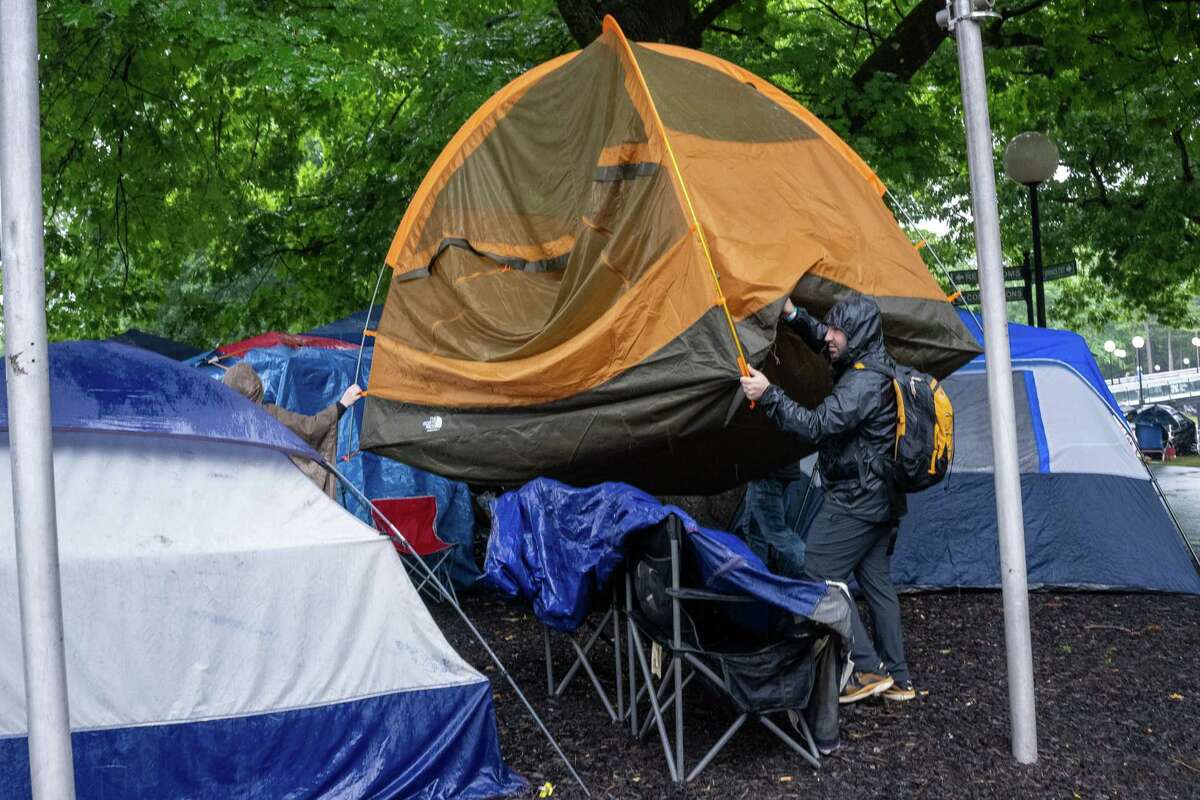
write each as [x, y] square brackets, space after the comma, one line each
[854, 428]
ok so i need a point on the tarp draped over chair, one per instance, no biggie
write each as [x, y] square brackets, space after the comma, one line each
[557, 547]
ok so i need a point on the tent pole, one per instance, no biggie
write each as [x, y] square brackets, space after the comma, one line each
[362, 345]
[449, 598]
[962, 18]
[31, 450]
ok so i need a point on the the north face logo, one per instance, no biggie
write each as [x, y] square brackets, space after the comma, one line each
[432, 425]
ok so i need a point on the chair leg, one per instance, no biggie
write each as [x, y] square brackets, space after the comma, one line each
[549, 662]
[633, 690]
[792, 743]
[658, 719]
[660, 693]
[716, 748]
[587, 648]
[616, 620]
[669, 700]
[587, 666]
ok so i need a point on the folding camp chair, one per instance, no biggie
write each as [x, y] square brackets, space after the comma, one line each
[1151, 439]
[583, 661]
[416, 518]
[763, 667]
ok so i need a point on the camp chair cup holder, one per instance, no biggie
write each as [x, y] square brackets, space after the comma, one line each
[664, 615]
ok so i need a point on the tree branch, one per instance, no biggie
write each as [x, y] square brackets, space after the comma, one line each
[1177, 137]
[904, 51]
[709, 15]
[1021, 11]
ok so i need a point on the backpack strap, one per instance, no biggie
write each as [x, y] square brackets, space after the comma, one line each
[901, 417]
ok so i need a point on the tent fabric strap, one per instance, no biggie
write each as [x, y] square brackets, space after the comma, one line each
[611, 24]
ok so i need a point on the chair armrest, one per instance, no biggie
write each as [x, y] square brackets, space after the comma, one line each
[717, 597]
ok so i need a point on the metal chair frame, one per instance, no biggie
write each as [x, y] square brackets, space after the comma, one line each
[582, 660]
[669, 692]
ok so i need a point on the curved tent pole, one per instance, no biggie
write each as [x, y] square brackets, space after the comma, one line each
[432, 578]
[611, 24]
[362, 345]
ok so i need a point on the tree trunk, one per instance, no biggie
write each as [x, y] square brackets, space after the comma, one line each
[669, 21]
[901, 54]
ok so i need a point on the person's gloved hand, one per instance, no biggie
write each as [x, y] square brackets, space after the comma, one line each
[754, 384]
[351, 395]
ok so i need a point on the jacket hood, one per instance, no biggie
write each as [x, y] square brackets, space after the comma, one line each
[242, 378]
[859, 318]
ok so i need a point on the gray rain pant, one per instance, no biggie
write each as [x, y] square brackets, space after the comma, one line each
[840, 546]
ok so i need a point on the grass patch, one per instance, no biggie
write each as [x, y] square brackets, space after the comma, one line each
[1184, 461]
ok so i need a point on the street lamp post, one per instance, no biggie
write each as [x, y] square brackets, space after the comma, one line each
[1031, 159]
[1196, 344]
[1138, 343]
[1110, 347]
[1120, 354]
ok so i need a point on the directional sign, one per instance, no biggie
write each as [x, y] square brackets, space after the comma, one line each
[970, 277]
[1053, 272]
[1011, 295]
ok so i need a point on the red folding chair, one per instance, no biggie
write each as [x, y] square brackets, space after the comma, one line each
[416, 518]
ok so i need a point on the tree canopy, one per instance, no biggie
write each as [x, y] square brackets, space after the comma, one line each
[217, 169]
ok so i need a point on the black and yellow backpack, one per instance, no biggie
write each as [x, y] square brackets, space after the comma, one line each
[924, 428]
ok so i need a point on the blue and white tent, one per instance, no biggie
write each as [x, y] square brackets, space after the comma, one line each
[1093, 516]
[229, 630]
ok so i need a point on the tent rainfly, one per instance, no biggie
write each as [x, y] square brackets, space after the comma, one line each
[588, 265]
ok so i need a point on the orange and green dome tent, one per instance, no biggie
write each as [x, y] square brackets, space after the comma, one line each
[582, 274]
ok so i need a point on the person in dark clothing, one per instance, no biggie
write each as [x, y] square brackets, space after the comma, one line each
[766, 529]
[854, 429]
[318, 430]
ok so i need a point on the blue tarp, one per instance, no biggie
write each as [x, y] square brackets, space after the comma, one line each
[350, 329]
[1048, 344]
[557, 546]
[105, 386]
[309, 379]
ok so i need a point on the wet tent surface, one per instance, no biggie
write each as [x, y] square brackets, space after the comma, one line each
[1181, 485]
[1107, 667]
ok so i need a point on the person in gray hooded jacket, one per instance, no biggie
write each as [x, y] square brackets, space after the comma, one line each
[854, 430]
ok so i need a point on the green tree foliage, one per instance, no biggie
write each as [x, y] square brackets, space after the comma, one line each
[215, 169]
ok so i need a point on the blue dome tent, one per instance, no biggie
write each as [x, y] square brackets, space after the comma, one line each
[229, 630]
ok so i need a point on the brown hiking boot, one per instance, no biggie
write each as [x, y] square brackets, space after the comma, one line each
[863, 685]
[900, 692]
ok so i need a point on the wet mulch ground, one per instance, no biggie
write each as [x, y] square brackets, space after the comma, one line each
[1117, 692]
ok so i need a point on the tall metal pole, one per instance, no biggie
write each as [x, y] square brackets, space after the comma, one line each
[26, 362]
[1038, 270]
[962, 17]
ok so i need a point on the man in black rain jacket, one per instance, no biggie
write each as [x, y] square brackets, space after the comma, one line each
[854, 429]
